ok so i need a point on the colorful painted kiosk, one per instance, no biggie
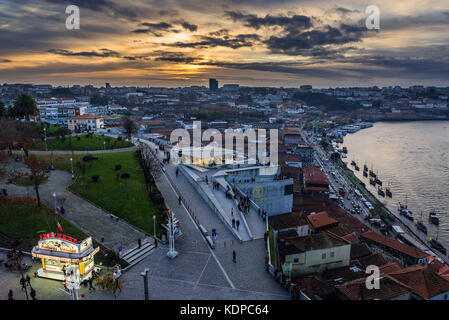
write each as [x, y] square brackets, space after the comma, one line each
[60, 253]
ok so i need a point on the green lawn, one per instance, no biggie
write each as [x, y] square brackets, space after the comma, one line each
[127, 199]
[22, 221]
[25, 181]
[272, 253]
[83, 142]
[21, 218]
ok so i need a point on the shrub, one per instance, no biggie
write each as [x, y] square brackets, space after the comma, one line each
[95, 178]
[157, 198]
[119, 138]
[125, 176]
[89, 158]
[78, 138]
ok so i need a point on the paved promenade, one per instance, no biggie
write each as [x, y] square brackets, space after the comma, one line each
[248, 277]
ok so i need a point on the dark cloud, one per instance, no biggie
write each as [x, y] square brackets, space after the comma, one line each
[298, 43]
[156, 29]
[103, 53]
[210, 41]
[188, 26]
[5, 61]
[288, 23]
[176, 57]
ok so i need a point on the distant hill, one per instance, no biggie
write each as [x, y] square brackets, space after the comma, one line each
[329, 102]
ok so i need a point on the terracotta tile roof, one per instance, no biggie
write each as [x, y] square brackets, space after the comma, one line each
[398, 246]
[437, 266]
[289, 220]
[374, 259]
[313, 287]
[390, 267]
[312, 242]
[321, 219]
[85, 116]
[314, 175]
[351, 237]
[424, 282]
[389, 289]
[359, 251]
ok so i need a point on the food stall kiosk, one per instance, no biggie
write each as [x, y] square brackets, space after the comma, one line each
[60, 253]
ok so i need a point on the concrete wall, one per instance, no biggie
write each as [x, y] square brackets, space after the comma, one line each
[271, 196]
[312, 261]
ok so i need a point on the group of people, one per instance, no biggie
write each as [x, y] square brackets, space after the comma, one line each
[13, 260]
[244, 204]
[60, 210]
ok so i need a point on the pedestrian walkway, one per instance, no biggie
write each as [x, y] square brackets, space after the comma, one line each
[88, 217]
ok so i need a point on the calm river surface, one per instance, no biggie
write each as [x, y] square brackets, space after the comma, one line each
[413, 159]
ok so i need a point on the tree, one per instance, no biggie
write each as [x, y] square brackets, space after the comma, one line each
[150, 166]
[3, 112]
[24, 106]
[106, 282]
[125, 176]
[39, 173]
[129, 126]
[3, 163]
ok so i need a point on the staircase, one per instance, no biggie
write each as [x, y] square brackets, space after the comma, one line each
[137, 254]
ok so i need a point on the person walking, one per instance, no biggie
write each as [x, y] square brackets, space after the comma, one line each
[139, 242]
[62, 210]
[33, 294]
[5, 193]
[63, 270]
[234, 256]
[233, 222]
[179, 200]
[23, 283]
[10, 295]
[91, 280]
[28, 279]
[232, 212]
[237, 223]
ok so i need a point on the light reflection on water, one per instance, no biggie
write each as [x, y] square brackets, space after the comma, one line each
[413, 159]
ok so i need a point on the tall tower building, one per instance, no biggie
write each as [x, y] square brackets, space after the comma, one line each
[213, 84]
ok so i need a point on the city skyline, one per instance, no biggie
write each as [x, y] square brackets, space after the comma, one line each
[253, 43]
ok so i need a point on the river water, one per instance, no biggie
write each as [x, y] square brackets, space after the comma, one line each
[413, 159]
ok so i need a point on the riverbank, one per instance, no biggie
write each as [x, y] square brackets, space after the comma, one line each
[383, 212]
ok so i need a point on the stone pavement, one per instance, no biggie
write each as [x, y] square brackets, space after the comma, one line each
[91, 219]
[245, 279]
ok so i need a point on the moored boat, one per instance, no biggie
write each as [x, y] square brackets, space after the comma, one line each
[438, 246]
[433, 218]
[421, 227]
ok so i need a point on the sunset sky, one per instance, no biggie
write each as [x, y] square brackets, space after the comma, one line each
[251, 42]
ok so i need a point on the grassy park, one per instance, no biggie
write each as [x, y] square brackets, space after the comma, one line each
[25, 181]
[83, 142]
[22, 221]
[125, 198]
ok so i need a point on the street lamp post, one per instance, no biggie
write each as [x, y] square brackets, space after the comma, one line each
[154, 224]
[45, 138]
[71, 166]
[54, 196]
[144, 274]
